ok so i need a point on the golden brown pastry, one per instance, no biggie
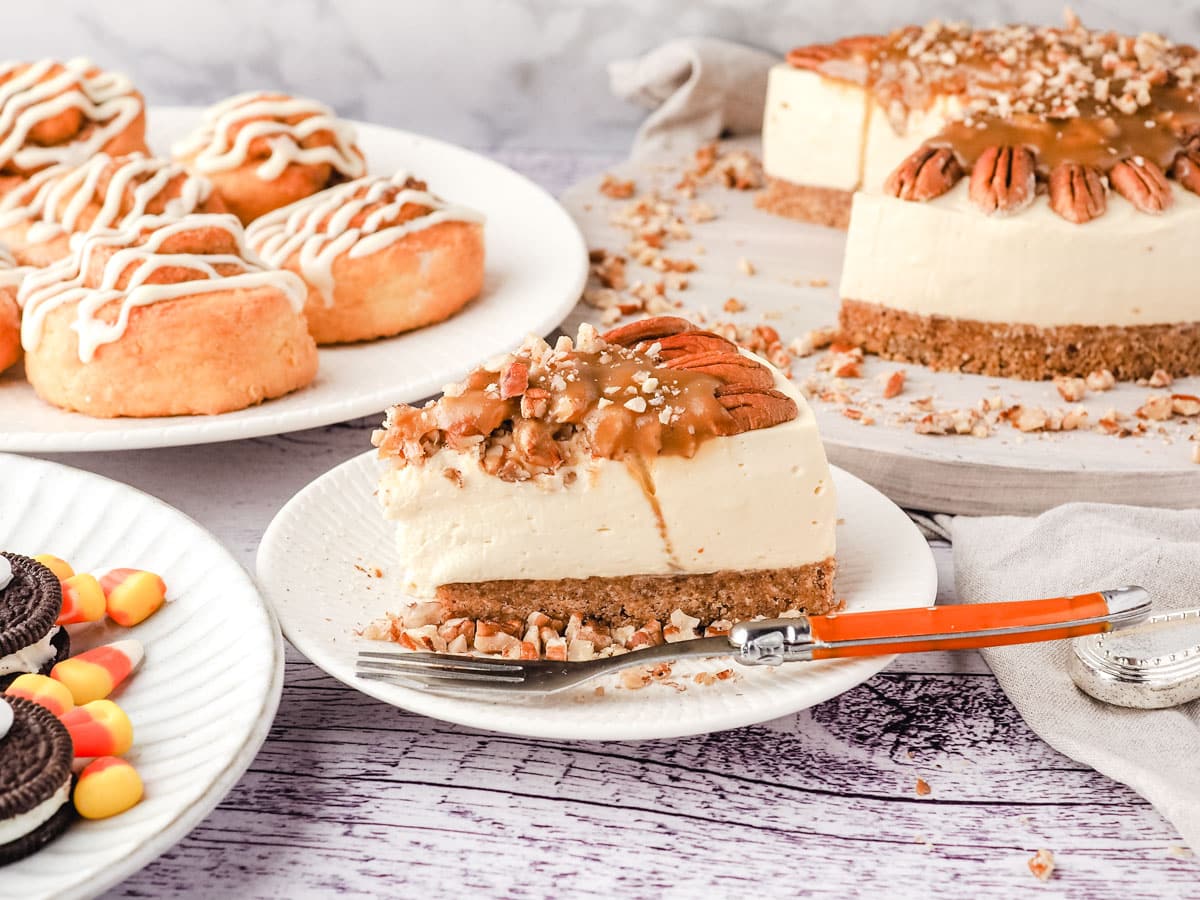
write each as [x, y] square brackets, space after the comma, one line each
[174, 319]
[10, 313]
[64, 112]
[38, 217]
[380, 256]
[263, 151]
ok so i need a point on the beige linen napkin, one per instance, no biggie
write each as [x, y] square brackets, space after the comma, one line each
[698, 87]
[1074, 549]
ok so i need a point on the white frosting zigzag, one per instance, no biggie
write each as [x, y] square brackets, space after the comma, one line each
[319, 229]
[214, 152]
[104, 98]
[62, 283]
[54, 199]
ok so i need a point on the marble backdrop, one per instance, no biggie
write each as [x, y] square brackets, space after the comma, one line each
[485, 73]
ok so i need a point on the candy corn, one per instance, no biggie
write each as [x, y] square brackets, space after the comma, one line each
[44, 690]
[60, 567]
[107, 786]
[95, 674]
[83, 600]
[132, 596]
[99, 728]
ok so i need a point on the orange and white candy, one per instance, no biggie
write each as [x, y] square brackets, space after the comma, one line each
[60, 567]
[95, 674]
[44, 690]
[132, 595]
[99, 728]
[83, 601]
[107, 786]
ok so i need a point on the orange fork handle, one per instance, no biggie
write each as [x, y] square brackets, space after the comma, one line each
[922, 624]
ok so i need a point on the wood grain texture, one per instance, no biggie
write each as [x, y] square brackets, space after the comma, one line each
[350, 796]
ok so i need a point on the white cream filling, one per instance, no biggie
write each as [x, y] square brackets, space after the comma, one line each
[759, 500]
[947, 258]
[6, 572]
[31, 658]
[18, 826]
[813, 129]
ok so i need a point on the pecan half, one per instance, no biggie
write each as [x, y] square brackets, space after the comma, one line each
[730, 367]
[687, 343]
[1186, 167]
[925, 174]
[648, 330]
[752, 408]
[1077, 192]
[1003, 180]
[854, 48]
[1142, 183]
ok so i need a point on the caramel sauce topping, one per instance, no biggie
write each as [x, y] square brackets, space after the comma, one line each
[1071, 95]
[655, 391]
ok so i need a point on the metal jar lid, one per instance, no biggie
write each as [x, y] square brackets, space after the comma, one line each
[1150, 666]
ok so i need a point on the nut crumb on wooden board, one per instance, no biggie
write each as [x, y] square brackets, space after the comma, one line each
[762, 271]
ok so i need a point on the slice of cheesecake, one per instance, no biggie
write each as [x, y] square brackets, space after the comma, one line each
[983, 232]
[652, 475]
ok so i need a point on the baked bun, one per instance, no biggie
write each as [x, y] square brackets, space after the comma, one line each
[263, 151]
[10, 313]
[53, 113]
[38, 217]
[379, 255]
[167, 318]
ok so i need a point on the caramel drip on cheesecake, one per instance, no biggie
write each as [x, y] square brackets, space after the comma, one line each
[659, 387]
[1071, 96]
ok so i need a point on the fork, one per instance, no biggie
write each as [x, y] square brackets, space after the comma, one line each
[771, 642]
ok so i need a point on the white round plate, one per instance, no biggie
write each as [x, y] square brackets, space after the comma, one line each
[324, 590]
[794, 288]
[204, 697]
[536, 267]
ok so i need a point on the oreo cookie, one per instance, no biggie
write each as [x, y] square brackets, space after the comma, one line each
[35, 779]
[30, 603]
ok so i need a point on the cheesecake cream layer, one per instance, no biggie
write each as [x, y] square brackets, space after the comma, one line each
[822, 132]
[944, 258]
[762, 499]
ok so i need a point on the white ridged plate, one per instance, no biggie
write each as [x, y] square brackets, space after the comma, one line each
[316, 565]
[536, 267]
[205, 696]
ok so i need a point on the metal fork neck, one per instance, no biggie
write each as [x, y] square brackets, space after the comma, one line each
[772, 642]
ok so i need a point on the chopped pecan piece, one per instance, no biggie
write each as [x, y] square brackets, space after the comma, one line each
[515, 379]
[1186, 168]
[1077, 193]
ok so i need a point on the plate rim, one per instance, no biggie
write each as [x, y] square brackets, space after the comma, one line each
[859, 669]
[187, 819]
[200, 430]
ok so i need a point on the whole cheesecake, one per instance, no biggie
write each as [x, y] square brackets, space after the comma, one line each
[976, 171]
[624, 481]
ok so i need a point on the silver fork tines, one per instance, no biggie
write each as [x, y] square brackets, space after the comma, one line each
[448, 672]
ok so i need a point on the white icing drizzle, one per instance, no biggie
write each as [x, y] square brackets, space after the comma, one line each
[6, 572]
[318, 227]
[212, 150]
[11, 276]
[138, 247]
[55, 199]
[106, 99]
[6, 718]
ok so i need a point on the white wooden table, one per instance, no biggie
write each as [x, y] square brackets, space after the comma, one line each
[350, 796]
